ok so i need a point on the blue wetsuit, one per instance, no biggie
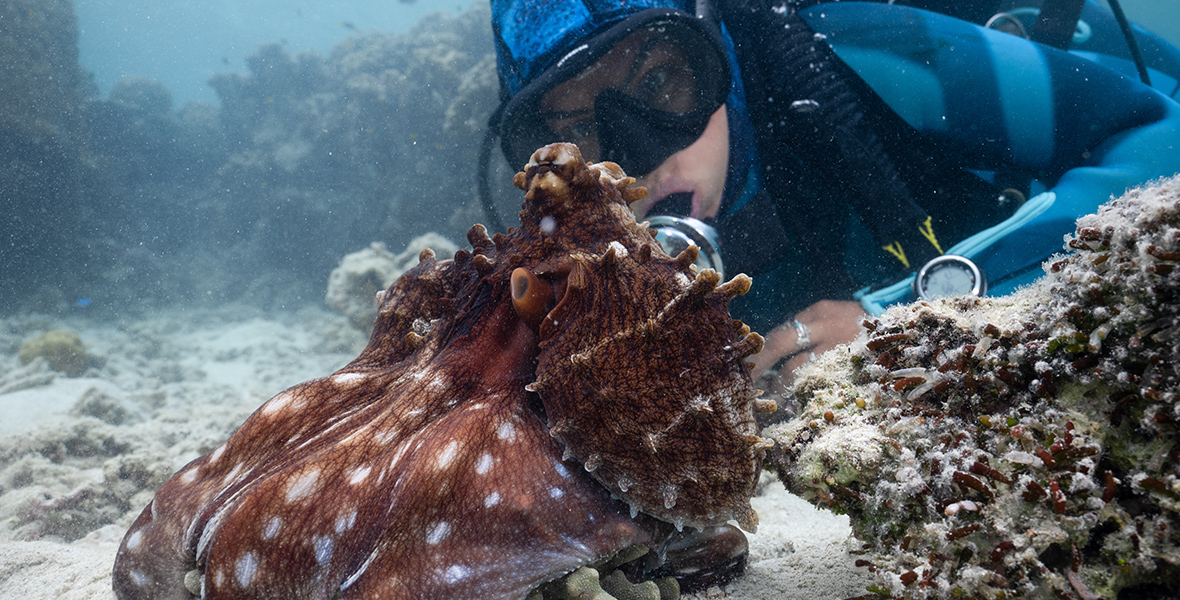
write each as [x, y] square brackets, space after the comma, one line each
[1078, 128]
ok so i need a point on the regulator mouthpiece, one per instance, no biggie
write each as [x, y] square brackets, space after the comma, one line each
[675, 234]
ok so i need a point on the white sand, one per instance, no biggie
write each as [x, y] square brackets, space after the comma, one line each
[169, 387]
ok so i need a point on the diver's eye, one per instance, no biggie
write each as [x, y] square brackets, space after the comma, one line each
[662, 79]
[668, 87]
[652, 85]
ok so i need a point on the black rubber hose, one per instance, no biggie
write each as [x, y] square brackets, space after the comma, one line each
[1132, 45]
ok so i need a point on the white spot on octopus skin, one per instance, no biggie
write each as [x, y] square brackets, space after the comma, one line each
[561, 470]
[190, 475]
[216, 454]
[360, 474]
[344, 522]
[136, 577]
[245, 569]
[272, 528]
[134, 539]
[484, 464]
[323, 549]
[438, 532]
[455, 573]
[278, 403]
[303, 485]
[447, 456]
[506, 432]
[233, 474]
[383, 437]
[397, 456]
[556, 493]
[492, 500]
[347, 379]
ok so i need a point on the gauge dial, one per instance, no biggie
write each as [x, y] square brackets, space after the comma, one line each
[949, 275]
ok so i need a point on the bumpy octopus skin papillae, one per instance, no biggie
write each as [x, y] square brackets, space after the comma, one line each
[560, 393]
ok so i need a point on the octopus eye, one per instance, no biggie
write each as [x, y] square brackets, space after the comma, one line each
[530, 296]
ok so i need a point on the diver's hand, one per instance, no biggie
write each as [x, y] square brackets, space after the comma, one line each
[829, 324]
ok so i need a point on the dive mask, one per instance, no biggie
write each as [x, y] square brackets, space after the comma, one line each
[636, 93]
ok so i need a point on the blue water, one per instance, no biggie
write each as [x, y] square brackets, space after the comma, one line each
[1160, 16]
[181, 43]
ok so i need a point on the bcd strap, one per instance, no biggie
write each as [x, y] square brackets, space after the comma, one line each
[811, 104]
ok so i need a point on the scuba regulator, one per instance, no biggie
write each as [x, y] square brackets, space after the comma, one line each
[676, 234]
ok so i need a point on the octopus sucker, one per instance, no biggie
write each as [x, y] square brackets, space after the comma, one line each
[565, 367]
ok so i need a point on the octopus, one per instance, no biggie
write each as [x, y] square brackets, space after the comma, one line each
[554, 395]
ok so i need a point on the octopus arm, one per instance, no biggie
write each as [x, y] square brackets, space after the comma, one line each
[431, 480]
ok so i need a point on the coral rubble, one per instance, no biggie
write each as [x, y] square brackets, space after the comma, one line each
[63, 350]
[1020, 446]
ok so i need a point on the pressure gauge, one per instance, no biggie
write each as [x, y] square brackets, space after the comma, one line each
[949, 275]
[674, 234]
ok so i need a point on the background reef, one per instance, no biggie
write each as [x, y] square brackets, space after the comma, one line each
[306, 158]
[1014, 447]
[44, 168]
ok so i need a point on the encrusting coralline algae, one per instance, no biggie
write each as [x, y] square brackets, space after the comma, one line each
[1021, 446]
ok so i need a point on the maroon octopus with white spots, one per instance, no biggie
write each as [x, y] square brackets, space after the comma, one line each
[561, 393]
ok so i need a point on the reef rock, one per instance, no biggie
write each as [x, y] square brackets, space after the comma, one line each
[1021, 446]
[305, 158]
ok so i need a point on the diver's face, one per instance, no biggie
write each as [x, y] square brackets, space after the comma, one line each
[653, 70]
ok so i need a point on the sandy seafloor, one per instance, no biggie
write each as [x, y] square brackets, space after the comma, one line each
[169, 386]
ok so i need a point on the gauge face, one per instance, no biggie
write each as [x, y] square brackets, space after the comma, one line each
[949, 275]
[949, 280]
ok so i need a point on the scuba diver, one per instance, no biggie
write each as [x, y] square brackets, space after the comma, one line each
[847, 155]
